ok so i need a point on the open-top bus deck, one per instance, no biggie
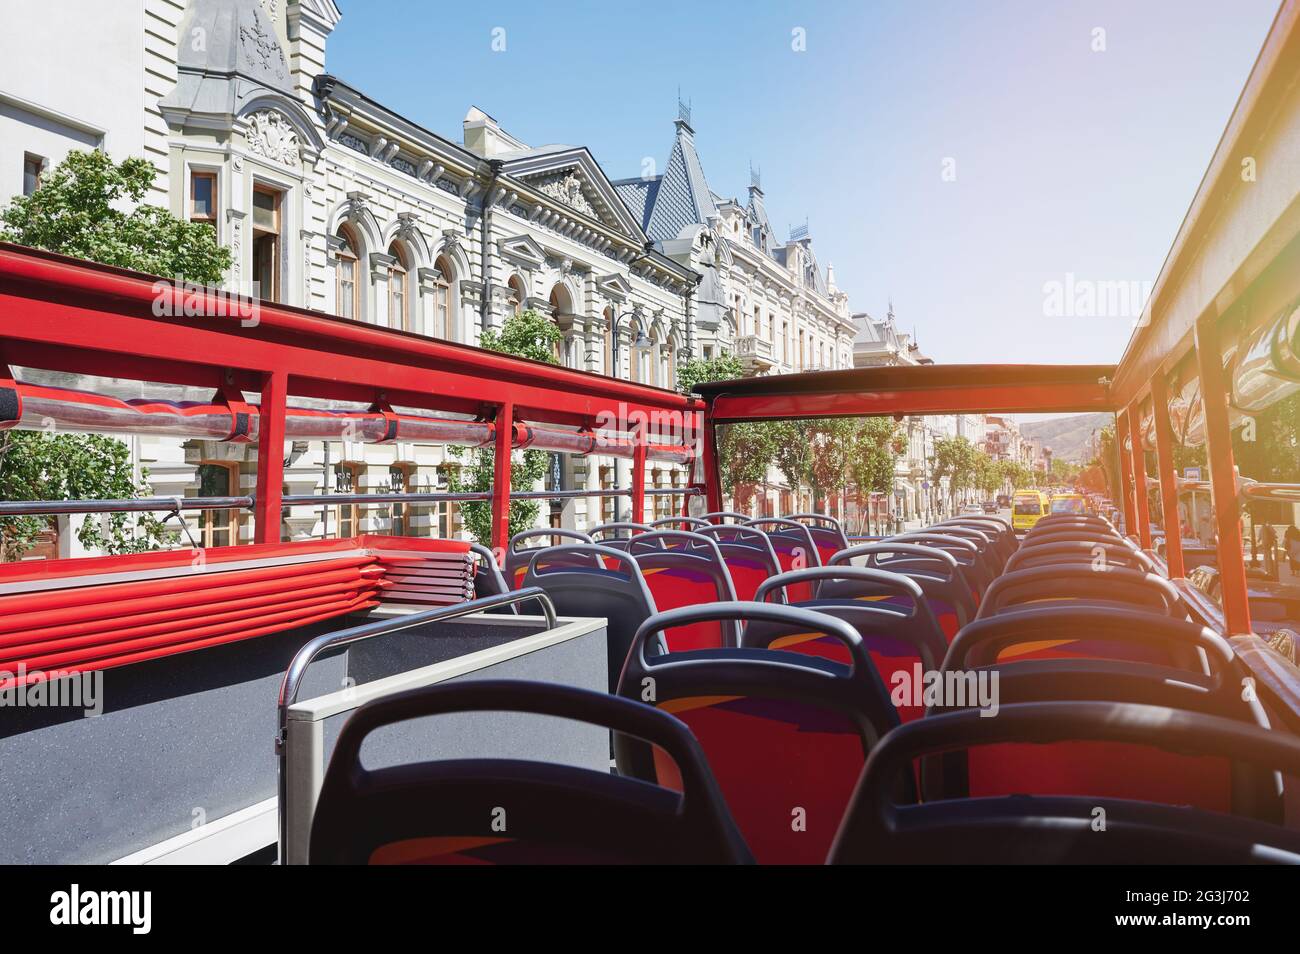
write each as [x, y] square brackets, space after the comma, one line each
[710, 687]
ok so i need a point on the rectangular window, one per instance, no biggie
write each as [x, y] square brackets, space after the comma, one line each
[608, 505]
[219, 528]
[347, 480]
[448, 517]
[347, 290]
[266, 242]
[203, 198]
[33, 168]
[401, 480]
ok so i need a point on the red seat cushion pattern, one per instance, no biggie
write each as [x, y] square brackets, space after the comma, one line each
[944, 612]
[675, 587]
[782, 765]
[746, 576]
[891, 657]
[799, 592]
[1083, 649]
[1102, 770]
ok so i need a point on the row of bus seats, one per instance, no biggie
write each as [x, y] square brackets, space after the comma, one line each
[946, 695]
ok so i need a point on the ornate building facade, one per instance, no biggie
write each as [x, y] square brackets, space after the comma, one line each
[769, 303]
[331, 201]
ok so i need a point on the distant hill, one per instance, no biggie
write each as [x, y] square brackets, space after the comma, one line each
[1068, 437]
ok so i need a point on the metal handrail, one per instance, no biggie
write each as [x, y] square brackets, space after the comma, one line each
[21, 508]
[293, 676]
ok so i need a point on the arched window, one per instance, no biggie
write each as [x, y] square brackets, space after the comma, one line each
[561, 304]
[347, 295]
[634, 356]
[516, 298]
[399, 290]
[443, 276]
[670, 365]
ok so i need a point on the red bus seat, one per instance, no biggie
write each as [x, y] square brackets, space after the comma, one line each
[786, 735]
[438, 812]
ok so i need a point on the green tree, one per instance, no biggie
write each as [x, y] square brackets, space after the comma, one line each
[89, 207]
[696, 371]
[956, 459]
[78, 211]
[526, 335]
[880, 442]
[794, 450]
[1266, 445]
[1016, 474]
[1064, 471]
[745, 450]
[988, 475]
[36, 465]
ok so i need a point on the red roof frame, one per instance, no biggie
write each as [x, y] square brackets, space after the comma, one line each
[66, 314]
[913, 389]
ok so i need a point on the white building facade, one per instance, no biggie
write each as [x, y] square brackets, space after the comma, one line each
[330, 201]
[771, 304]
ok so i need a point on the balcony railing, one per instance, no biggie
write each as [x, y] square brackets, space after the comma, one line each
[754, 350]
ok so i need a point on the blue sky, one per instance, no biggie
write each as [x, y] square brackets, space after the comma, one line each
[1067, 160]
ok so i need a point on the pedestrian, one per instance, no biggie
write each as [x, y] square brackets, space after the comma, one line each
[1291, 540]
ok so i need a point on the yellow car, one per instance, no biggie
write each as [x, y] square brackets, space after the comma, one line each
[1069, 503]
[1027, 508]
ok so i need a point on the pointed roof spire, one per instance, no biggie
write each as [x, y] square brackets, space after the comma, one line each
[683, 196]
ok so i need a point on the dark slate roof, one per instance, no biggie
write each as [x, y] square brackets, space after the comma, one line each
[638, 195]
[677, 199]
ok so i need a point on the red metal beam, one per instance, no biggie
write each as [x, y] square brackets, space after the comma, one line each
[65, 314]
[270, 459]
[709, 461]
[638, 480]
[1122, 434]
[501, 482]
[1139, 465]
[1167, 475]
[913, 389]
[1237, 225]
[1223, 478]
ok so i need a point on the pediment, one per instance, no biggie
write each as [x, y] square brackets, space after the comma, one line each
[614, 286]
[571, 178]
[523, 251]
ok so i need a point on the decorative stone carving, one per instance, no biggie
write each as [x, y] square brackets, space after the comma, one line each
[567, 188]
[235, 218]
[354, 142]
[261, 47]
[356, 205]
[270, 135]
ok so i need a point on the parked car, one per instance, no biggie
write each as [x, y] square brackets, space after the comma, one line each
[971, 510]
